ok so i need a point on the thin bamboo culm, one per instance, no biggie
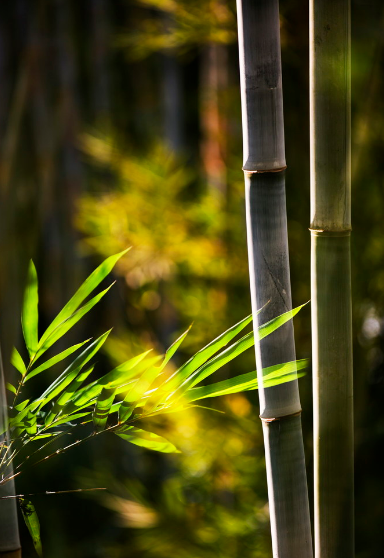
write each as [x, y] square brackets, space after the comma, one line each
[9, 528]
[331, 277]
[264, 164]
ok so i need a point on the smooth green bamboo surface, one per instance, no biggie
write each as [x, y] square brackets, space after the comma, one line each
[330, 278]
[330, 115]
[333, 397]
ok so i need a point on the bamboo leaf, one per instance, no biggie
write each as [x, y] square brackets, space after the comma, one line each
[18, 362]
[63, 327]
[273, 375]
[232, 352]
[117, 378]
[81, 294]
[272, 325]
[11, 388]
[29, 314]
[67, 395]
[72, 371]
[102, 408]
[146, 439]
[204, 354]
[173, 348]
[54, 360]
[32, 522]
[136, 392]
[22, 405]
[30, 423]
[68, 418]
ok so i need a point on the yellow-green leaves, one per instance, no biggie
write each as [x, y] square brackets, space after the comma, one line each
[102, 407]
[32, 522]
[18, 362]
[81, 294]
[146, 439]
[30, 314]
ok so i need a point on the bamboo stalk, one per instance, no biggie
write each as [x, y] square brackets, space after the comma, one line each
[9, 531]
[331, 277]
[264, 164]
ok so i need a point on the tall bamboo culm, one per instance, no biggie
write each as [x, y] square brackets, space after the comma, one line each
[9, 528]
[264, 171]
[331, 277]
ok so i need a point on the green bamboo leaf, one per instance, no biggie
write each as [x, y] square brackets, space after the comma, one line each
[11, 388]
[81, 294]
[18, 362]
[173, 348]
[68, 418]
[67, 395]
[232, 352]
[204, 354]
[146, 439]
[22, 405]
[136, 392]
[63, 327]
[273, 375]
[119, 377]
[32, 522]
[102, 408]
[72, 371]
[272, 325]
[29, 314]
[54, 360]
[30, 423]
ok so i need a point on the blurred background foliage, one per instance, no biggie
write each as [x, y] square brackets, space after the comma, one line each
[120, 126]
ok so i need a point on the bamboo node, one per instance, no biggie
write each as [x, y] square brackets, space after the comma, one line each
[249, 173]
[273, 419]
[327, 232]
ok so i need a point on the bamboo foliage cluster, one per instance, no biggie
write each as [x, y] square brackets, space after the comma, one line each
[134, 391]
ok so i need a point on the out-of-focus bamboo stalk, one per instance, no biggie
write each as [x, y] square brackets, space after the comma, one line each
[264, 164]
[331, 278]
[9, 531]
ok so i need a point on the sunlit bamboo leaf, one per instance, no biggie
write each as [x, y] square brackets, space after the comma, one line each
[232, 352]
[273, 375]
[22, 405]
[31, 423]
[117, 378]
[102, 407]
[32, 522]
[204, 354]
[173, 348]
[146, 439]
[67, 395]
[72, 371]
[54, 360]
[63, 327]
[18, 362]
[136, 392]
[272, 325]
[11, 388]
[81, 294]
[29, 314]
